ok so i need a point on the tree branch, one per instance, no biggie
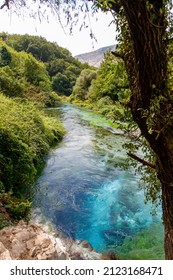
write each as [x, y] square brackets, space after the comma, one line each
[6, 3]
[144, 162]
[117, 54]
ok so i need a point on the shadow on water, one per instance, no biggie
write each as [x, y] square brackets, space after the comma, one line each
[86, 194]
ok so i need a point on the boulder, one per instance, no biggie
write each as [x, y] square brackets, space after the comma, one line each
[28, 242]
[32, 242]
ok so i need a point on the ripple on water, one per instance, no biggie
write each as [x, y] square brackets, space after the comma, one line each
[84, 191]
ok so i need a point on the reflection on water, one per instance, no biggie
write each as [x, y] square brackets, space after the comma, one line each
[85, 192]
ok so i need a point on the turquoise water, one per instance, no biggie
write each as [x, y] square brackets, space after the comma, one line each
[83, 189]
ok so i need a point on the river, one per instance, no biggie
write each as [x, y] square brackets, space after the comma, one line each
[85, 192]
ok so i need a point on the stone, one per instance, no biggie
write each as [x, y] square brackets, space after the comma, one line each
[86, 244]
[4, 253]
[32, 242]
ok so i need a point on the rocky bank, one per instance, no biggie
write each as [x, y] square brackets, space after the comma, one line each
[34, 242]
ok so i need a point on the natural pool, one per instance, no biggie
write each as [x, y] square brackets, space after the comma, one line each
[87, 195]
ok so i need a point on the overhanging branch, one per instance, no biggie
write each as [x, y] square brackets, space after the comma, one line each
[144, 162]
[117, 54]
[6, 3]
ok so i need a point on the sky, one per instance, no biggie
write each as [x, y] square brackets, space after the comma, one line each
[77, 43]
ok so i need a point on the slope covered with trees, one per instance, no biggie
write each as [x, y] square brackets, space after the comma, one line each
[61, 67]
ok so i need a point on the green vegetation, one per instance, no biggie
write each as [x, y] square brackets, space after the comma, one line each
[104, 90]
[145, 245]
[21, 75]
[26, 132]
[26, 135]
[82, 86]
[52, 62]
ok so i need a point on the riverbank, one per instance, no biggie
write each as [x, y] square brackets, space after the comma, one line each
[26, 136]
[83, 184]
[37, 242]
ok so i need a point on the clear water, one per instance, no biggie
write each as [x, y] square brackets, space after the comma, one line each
[83, 190]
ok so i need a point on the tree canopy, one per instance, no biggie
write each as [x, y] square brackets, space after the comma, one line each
[57, 60]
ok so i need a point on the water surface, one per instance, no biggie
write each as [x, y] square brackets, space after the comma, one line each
[84, 191]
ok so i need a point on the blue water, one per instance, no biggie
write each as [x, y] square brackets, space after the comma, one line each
[84, 191]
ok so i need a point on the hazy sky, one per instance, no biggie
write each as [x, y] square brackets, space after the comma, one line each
[77, 43]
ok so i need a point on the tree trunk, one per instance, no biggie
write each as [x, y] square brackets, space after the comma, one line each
[167, 204]
[165, 174]
[151, 106]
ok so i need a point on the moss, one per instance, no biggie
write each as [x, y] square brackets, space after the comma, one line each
[145, 245]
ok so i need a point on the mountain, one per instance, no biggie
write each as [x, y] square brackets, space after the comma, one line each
[94, 58]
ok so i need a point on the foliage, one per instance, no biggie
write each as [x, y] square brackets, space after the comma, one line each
[18, 208]
[9, 85]
[61, 84]
[5, 56]
[111, 80]
[57, 60]
[83, 83]
[26, 77]
[104, 90]
[145, 245]
[26, 135]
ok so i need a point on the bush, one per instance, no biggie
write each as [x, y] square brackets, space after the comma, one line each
[18, 208]
[26, 135]
[9, 85]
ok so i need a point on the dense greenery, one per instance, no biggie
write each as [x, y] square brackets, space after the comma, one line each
[25, 136]
[62, 69]
[21, 75]
[82, 86]
[145, 245]
[104, 90]
[26, 133]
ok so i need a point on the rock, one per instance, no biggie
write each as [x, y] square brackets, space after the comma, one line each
[32, 242]
[86, 244]
[4, 253]
[27, 242]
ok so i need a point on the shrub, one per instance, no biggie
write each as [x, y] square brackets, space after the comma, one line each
[26, 135]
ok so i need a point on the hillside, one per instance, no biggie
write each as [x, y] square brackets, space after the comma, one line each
[60, 67]
[26, 132]
[94, 58]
